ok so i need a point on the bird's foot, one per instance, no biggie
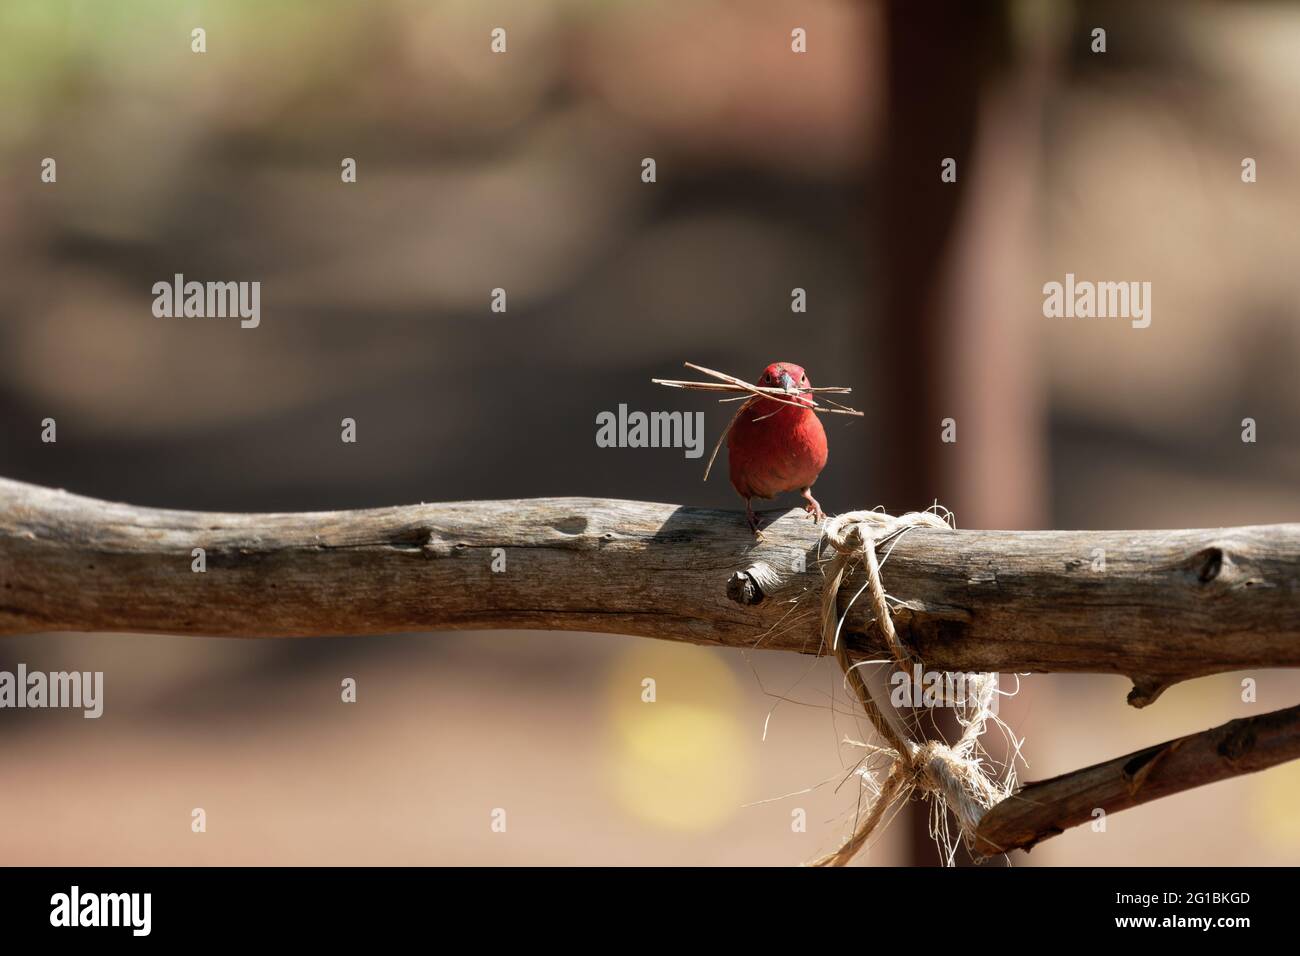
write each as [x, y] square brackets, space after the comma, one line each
[752, 519]
[812, 507]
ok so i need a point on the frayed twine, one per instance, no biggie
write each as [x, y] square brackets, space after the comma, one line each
[957, 775]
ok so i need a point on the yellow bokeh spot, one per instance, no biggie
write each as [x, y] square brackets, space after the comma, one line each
[683, 761]
[1274, 803]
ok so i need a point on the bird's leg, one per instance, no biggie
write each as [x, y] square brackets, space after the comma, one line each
[752, 519]
[812, 507]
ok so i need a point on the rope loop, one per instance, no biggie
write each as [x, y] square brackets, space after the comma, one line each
[954, 774]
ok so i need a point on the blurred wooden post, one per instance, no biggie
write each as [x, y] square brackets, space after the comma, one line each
[952, 336]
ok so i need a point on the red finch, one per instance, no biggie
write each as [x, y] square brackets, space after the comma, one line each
[776, 447]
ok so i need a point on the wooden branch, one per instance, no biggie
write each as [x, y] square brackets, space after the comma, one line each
[1044, 809]
[1160, 606]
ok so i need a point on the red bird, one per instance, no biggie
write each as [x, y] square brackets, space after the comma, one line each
[775, 447]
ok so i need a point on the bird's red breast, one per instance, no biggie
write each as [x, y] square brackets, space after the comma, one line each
[774, 447]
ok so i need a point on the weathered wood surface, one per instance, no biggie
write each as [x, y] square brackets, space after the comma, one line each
[1169, 604]
[1048, 807]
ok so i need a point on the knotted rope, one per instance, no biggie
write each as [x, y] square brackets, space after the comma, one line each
[955, 774]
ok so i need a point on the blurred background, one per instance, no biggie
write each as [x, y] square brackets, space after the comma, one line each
[522, 170]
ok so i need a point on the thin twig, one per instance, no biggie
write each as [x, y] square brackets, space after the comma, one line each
[729, 383]
[725, 387]
[762, 391]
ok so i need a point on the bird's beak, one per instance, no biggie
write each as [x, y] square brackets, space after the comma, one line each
[787, 382]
